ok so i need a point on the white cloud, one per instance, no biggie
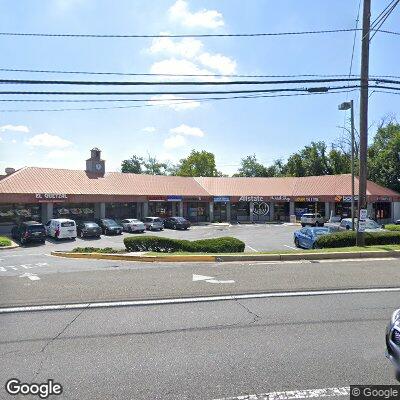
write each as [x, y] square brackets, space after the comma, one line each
[14, 128]
[174, 141]
[223, 64]
[187, 47]
[178, 67]
[149, 129]
[187, 131]
[175, 102]
[47, 140]
[200, 19]
[13, 141]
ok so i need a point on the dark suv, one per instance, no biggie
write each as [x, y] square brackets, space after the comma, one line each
[176, 223]
[29, 231]
[109, 226]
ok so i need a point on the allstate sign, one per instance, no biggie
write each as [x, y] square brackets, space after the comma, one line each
[251, 198]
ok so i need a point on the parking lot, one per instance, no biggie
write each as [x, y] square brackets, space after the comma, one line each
[257, 237]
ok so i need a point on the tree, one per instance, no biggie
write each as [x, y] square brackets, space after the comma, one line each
[198, 163]
[250, 167]
[155, 167]
[132, 165]
[339, 163]
[294, 166]
[384, 156]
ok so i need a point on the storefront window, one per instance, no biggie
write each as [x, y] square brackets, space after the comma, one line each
[303, 207]
[344, 209]
[11, 214]
[240, 212]
[196, 211]
[120, 211]
[163, 209]
[281, 211]
[382, 210]
[75, 211]
[220, 213]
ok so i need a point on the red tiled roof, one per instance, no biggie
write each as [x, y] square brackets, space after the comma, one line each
[50, 180]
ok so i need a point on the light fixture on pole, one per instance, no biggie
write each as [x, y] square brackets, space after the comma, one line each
[348, 105]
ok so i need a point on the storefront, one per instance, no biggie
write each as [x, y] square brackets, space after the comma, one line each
[240, 211]
[120, 211]
[304, 205]
[196, 211]
[12, 214]
[75, 211]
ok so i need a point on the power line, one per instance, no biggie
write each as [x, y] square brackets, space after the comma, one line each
[384, 17]
[152, 105]
[173, 83]
[201, 35]
[222, 92]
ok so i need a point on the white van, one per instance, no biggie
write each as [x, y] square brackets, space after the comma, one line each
[61, 228]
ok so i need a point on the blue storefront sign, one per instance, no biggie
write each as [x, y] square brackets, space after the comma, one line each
[174, 198]
[221, 199]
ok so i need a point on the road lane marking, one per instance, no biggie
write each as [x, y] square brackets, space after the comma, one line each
[209, 279]
[32, 277]
[25, 266]
[184, 300]
[294, 394]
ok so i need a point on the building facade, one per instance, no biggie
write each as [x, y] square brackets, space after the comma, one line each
[32, 193]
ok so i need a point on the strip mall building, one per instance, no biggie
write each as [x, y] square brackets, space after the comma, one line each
[32, 193]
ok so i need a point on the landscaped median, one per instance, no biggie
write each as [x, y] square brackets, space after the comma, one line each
[6, 243]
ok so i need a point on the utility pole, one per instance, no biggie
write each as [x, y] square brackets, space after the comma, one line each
[362, 190]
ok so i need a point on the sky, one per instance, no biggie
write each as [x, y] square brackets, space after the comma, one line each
[271, 128]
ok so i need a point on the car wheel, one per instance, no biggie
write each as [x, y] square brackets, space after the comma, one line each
[174, 226]
[303, 225]
[98, 236]
[317, 224]
[296, 242]
[161, 229]
[22, 240]
[43, 241]
[82, 235]
[321, 224]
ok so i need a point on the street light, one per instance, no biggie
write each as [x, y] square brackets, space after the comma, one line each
[348, 105]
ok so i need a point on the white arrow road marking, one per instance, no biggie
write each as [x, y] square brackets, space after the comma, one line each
[32, 277]
[210, 279]
[294, 394]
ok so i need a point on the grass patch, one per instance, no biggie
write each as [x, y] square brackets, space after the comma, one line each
[383, 248]
[393, 227]
[5, 241]
[107, 250]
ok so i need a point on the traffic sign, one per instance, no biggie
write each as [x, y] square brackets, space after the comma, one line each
[363, 214]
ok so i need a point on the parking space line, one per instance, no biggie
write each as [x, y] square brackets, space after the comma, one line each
[291, 247]
[251, 248]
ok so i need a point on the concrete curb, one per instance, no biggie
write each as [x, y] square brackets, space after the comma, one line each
[13, 246]
[231, 258]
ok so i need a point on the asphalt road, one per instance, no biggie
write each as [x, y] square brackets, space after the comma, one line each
[258, 237]
[202, 351]
[43, 279]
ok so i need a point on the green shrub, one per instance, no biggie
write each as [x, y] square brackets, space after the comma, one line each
[108, 250]
[348, 238]
[392, 227]
[168, 245]
[4, 241]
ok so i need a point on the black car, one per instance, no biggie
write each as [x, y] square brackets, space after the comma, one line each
[29, 231]
[88, 229]
[393, 342]
[110, 226]
[176, 223]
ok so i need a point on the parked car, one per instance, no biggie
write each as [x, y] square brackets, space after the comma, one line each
[61, 228]
[133, 225]
[109, 226]
[393, 341]
[88, 229]
[153, 223]
[313, 219]
[29, 231]
[370, 225]
[307, 237]
[176, 223]
[397, 222]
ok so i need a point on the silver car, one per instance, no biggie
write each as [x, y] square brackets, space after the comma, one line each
[370, 225]
[133, 225]
[153, 224]
[313, 219]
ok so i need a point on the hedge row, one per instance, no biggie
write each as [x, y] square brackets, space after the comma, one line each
[168, 245]
[348, 238]
[108, 250]
[4, 241]
[393, 227]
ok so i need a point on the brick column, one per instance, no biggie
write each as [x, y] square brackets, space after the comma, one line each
[211, 205]
[47, 212]
[145, 209]
[271, 211]
[251, 211]
[180, 211]
[327, 210]
[228, 211]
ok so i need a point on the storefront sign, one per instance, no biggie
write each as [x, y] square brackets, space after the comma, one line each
[383, 198]
[50, 197]
[306, 199]
[338, 199]
[156, 198]
[221, 199]
[280, 198]
[251, 198]
[347, 199]
[174, 198]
